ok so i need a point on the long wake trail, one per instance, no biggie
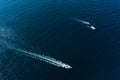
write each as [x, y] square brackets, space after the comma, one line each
[7, 39]
[44, 58]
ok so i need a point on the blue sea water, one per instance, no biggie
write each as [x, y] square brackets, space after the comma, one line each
[46, 27]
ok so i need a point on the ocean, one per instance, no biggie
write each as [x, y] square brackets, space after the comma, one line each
[47, 27]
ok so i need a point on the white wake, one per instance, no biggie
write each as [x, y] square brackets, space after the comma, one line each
[44, 58]
[86, 23]
[7, 39]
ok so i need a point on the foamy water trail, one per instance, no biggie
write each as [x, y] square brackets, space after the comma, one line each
[82, 21]
[85, 22]
[44, 58]
[7, 39]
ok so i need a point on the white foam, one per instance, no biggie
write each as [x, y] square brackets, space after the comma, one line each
[46, 59]
[7, 34]
[86, 23]
[82, 21]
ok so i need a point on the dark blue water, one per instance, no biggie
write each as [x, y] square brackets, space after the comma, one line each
[46, 27]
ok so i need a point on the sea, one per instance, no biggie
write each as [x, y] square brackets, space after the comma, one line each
[47, 27]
